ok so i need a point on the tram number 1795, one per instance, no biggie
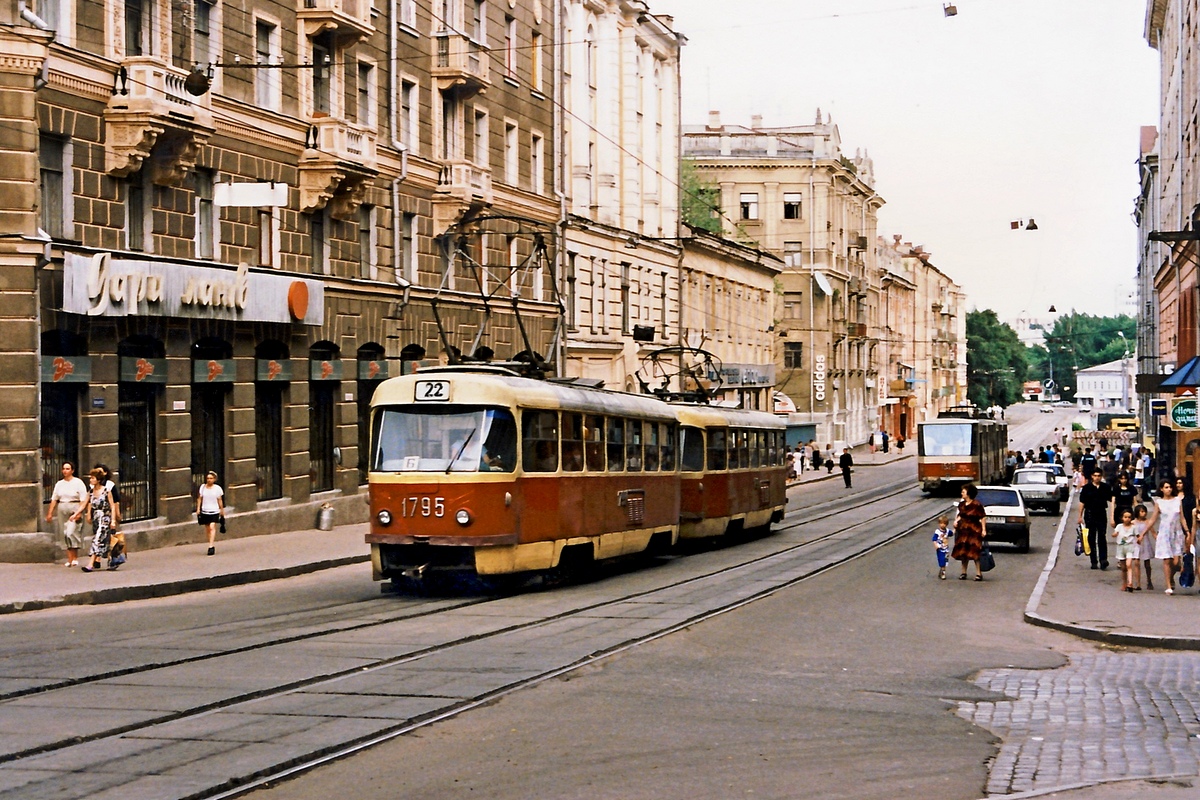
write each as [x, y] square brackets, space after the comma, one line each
[423, 507]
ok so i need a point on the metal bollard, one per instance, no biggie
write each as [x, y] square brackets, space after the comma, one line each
[325, 518]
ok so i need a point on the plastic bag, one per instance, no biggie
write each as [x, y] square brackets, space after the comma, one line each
[1079, 541]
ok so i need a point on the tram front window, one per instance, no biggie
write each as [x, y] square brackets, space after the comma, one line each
[946, 440]
[432, 440]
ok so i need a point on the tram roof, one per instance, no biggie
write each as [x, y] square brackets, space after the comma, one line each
[702, 416]
[500, 388]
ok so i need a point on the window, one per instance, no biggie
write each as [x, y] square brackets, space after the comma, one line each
[539, 441]
[52, 13]
[717, 438]
[408, 248]
[135, 212]
[321, 77]
[366, 241]
[633, 445]
[537, 61]
[206, 220]
[408, 115]
[366, 95]
[268, 89]
[593, 445]
[408, 13]
[319, 251]
[450, 145]
[202, 11]
[510, 48]
[625, 298]
[572, 442]
[589, 46]
[793, 254]
[791, 205]
[267, 243]
[571, 310]
[479, 138]
[667, 451]
[537, 163]
[55, 179]
[692, 459]
[479, 22]
[749, 205]
[511, 152]
[139, 27]
[793, 304]
[616, 445]
[653, 446]
[444, 17]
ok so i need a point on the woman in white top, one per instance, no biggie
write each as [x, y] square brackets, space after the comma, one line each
[210, 507]
[1167, 518]
[68, 499]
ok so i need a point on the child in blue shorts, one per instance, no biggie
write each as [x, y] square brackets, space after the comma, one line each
[941, 543]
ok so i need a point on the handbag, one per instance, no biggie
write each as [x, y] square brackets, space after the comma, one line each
[1187, 576]
[1078, 541]
[986, 562]
[222, 521]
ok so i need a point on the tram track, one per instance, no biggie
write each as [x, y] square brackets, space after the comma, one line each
[492, 636]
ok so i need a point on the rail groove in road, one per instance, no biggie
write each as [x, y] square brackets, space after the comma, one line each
[578, 636]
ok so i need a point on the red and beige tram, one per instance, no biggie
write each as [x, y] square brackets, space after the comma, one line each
[479, 469]
[960, 449]
[732, 470]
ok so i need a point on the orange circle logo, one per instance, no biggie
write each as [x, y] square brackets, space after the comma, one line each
[298, 299]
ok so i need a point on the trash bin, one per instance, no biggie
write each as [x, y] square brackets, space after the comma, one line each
[325, 518]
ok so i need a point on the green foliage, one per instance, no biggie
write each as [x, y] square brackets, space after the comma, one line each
[700, 200]
[996, 361]
[1078, 341]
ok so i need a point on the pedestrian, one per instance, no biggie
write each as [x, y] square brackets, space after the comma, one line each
[885, 440]
[829, 463]
[1171, 531]
[846, 462]
[900, 443]
[1094, 498]
[791, 465]
[1187, 500]
[1124, 497]
[1111, 469]
[941, 544]
[116, 555]
[1145, 541]
[1128, 540]
[816, 457]
[100, 515]
[69, 500]
[873, 442]
[1087, 462]
[1010, 466]
[801, 458]
[210, 508]
[970, 529]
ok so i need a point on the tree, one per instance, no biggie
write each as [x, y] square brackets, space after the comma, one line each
[699, 200]
[1078, 341]
[996, 361]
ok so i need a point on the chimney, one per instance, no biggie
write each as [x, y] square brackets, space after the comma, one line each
[714, 120]
[756, 122]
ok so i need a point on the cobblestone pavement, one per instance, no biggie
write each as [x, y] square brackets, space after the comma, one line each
[1104, 717]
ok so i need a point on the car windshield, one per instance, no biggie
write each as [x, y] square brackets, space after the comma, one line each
[1036, 476]
[999, 497]
[407, 439]
[946, 439]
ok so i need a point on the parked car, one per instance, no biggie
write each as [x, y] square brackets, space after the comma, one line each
[1007, 517]
[1065, 404]
[1038, 488]
[1046, 409]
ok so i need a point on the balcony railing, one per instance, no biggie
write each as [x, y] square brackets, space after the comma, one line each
[349, 19]
[465, 181]
[459, 61]
[343, 141]
[856, 329]
[146, 84]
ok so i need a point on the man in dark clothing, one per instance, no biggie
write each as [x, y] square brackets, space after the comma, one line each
[846, 463]
[1094, 498]
[1111, 469]
[1187, 504]
[885, 441]
[1087, 462]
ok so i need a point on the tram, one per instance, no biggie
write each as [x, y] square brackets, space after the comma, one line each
[959, 448]
[475, 468]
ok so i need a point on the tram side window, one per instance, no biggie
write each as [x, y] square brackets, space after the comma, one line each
[717, 438]
[772, 448]
[616, 444]
[572, 442]
[693, 449]
[633, 445]
[756, 448]
[539, 438]
[668, 447]
[593, 444]
[652, 446]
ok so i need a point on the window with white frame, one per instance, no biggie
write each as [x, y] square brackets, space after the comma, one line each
[322, 75]
[511, 154]
[57, 15]
[56, 190]
[479, 137]
[367, 242]
[569, 298]
[207, 220]
[748, 202]
[203, 30]
[268, 86]
[514, 256]
[791, 205]
[366, 94]
[537, 57]
[450, 146]
[479, 21]
[537, 163]
[510, 47]
[626, 297]
[408, 13]
[268, 239]
[590, 67]
[409, 130]
[444, 14]
[140, 27]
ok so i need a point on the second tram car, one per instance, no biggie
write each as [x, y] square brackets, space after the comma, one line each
[956, 450]
[478, 469]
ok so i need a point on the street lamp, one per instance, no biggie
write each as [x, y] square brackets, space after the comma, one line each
[1124, 374]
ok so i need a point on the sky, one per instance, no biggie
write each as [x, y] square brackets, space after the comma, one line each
[1010, 110]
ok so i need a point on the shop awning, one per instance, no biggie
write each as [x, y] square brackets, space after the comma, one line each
[1186, 377]
[823, 283]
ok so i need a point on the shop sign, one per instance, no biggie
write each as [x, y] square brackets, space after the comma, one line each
[103, 286]
[1158, 407]
[1183, 414]
[325, 370]
[143, 370]
[818, 378]
[213, 370]
[66, 369]
[376, 369]
[748, 375]
[273, 369]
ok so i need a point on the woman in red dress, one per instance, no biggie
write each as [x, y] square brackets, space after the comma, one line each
[969, 531]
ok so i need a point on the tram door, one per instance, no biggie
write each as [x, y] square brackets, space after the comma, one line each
[136, 458]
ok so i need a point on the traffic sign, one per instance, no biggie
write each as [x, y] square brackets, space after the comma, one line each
[1183, 414]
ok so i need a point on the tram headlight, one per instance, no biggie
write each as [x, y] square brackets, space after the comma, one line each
[384, 516]
[462, 517]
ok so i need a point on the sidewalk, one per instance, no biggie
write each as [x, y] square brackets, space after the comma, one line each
[863, 457]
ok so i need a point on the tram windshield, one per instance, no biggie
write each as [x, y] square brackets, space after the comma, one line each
[946, 440]
[408, 439]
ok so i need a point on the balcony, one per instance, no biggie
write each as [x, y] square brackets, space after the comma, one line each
[856, 330]
[151, 114]
[460, 63]
[348, 20]
[462, 187]
[339, 162]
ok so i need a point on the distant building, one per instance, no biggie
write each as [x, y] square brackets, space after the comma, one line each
[1107, 386]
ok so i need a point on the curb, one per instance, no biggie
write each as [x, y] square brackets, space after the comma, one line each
[119, 594]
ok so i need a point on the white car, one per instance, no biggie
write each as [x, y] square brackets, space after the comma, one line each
[1007, 517]
[1038, 488]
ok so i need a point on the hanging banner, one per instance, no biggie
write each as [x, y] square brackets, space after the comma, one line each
[213, 370]
[66, 369]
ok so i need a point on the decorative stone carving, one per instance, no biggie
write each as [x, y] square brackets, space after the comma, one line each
[127, 144]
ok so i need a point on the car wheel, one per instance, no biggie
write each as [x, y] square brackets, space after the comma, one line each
[1023, 544]
[1055, 509]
